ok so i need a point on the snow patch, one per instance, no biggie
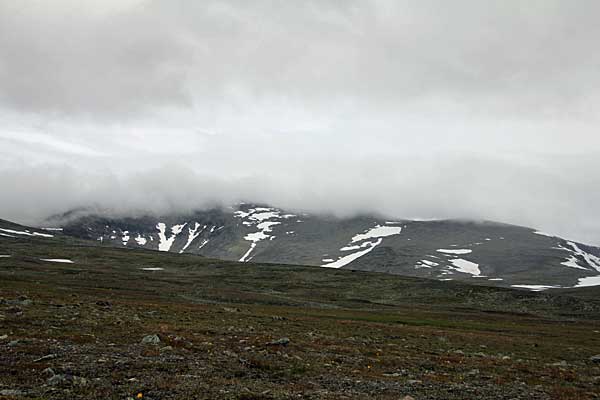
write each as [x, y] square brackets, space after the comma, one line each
[535, 288]
[544, 234]
[377, 232]
[26, 233]
[152, 269]
[4, 255]
[57, 260]
[351, 257]
[192, 235]
[430, 263]
[455, 251]
[466, 267]
[125, 238]
[141, 240]
[264, 219]
[588, 281]
[165, 243]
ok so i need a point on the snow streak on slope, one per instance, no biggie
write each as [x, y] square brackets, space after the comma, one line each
[264, 219]
[165, 243]
[455, 251]
[573, 262]
[26, 233]
[535, 288]
[4, 256]
[378, 232]
[192, 235]
[57, 260]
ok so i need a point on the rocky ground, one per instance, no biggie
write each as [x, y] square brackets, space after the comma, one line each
[101, 328]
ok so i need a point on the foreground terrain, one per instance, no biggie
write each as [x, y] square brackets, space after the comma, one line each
[225, 330]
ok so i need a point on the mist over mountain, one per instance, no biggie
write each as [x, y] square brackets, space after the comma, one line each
[401, 108]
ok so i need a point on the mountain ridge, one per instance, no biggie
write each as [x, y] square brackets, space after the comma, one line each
[487, 252]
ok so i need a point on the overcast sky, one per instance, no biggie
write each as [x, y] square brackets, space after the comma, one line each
[429, 109]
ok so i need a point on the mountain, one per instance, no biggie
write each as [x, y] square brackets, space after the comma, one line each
[486, 252]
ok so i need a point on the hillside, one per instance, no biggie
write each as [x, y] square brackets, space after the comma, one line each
[485, 252]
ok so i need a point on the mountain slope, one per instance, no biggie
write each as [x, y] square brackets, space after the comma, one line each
[481, 252]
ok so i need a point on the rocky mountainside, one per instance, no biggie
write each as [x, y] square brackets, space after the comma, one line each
[479, 252]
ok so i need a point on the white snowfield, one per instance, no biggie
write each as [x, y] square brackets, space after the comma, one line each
[466, 267]
[57, 260]
[378, 232]
[454, 251]
[26, 233]
[264, 219]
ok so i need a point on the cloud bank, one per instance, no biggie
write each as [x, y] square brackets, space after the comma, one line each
[426, 109]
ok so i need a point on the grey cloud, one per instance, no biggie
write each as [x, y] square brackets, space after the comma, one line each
[408, 108]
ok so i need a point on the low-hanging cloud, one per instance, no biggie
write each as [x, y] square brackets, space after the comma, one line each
[426, 109]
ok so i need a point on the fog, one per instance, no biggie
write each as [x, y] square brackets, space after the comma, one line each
[410, 109]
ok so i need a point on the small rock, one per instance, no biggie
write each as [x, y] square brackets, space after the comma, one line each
[413, 381]
[57, 380]
[151, 339]
[24, 302]
[408, 398]
[49, 371]
[230, 354]
[562, 363]
[102, 303]
[279, 342]
[166, 348]
[11, 392]
[595, 359]
[14, 343]
[45, 358]
[2, 337]
[80, 381]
